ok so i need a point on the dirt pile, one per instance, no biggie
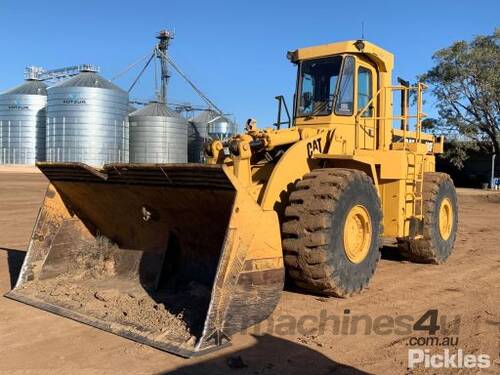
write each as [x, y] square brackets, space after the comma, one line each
[131, 307]
[101, 281]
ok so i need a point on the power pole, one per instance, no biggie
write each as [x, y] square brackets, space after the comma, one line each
[492, 181]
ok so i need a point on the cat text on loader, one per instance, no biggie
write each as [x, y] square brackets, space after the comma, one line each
[180, 257]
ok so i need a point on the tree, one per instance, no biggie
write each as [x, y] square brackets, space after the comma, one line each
[465, 80]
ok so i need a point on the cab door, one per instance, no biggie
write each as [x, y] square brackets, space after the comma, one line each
[366, 86]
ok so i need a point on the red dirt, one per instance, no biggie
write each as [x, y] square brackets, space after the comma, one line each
[38, 342]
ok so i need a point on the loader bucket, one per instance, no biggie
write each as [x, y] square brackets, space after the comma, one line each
[175, 256]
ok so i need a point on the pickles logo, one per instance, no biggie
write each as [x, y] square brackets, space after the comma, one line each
[18, 106]
[447, 359]
[73, 99]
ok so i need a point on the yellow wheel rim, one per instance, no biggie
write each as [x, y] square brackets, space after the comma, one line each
[357, 234]
[445, 218]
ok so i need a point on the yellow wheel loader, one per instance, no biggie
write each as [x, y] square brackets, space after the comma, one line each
[182, 256]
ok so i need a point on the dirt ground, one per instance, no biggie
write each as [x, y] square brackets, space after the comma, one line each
[465, 291]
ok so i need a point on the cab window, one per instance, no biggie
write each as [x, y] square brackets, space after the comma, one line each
[365, 91]
[318, 82]
[345, 99]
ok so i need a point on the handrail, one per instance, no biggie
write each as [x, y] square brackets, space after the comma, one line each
[404, 117]
[358, 115]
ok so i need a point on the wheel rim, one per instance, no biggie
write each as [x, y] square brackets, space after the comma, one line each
[445, 218]
[357, 234]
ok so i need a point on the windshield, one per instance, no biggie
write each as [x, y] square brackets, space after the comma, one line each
[318, 82]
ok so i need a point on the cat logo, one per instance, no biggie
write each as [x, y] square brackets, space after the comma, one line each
[315, 145]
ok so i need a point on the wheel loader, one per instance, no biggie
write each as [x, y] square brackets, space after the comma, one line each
[182, 256]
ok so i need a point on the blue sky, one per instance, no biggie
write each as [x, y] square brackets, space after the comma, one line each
[233, 50]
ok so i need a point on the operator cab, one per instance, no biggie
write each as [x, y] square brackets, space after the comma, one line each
[336, 83]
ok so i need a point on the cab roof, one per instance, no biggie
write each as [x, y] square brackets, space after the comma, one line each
[384, 59]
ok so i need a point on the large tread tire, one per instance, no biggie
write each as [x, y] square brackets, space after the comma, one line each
[313, 230]
[432, 248]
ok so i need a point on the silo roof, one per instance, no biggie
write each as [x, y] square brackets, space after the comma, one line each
[155, 109]
[89, 79]
[30, 87]
[205, 116]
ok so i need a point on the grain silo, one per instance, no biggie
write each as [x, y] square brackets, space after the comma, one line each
[158, 135]
[22, 123]
[87, 121]
[131, 109]
[207, 125]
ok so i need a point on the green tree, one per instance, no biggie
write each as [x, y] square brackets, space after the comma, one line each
[465, 80]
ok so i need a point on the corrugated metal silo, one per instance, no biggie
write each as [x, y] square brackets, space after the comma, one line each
[22, 123]
[158, 135]
[206, 126]
[87, 121]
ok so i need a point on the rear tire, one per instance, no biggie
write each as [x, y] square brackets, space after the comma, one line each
[440, 222]
[322, 253]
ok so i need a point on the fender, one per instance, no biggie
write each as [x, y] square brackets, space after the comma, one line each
[292, 166]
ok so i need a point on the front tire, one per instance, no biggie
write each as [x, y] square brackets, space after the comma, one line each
[331, 232]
